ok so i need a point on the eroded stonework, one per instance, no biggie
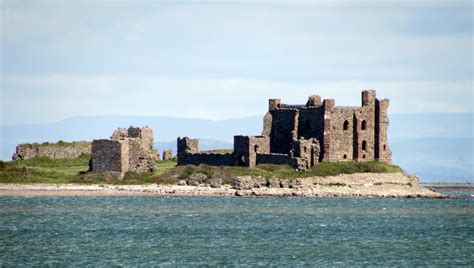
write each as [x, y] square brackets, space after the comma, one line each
[127, 150]
[345, 133]
[60, 150]
[167, 155]
[303, 135]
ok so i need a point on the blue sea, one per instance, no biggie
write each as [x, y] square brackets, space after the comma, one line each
[220, 231]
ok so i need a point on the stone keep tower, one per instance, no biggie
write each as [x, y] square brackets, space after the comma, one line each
[127, 150]
[344, 133]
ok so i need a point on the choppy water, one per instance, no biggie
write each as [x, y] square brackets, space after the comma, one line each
[150, 231]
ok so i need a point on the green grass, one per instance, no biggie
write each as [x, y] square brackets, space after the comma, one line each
[46, 170]
[280, 171]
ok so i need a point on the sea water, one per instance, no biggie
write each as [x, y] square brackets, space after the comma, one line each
[176, 231]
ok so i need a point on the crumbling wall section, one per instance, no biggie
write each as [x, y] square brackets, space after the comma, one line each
[341, 134]
[284, 129]
[246, 149]
[109, 156]
[311, 123]
[382, 150]
[308, 150]
[364, 128]
[139, 158]
[128, 150]
[60, 150]
[144, 134]
[208, 159]
[281, 159]
[167, 155]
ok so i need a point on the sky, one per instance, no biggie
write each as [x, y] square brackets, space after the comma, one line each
[225, 59]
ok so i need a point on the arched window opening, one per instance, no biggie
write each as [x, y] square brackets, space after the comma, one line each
[345, 126]
[364, 145]
[307, 124]
[345, 156]
[363, 125]
[384, 147]
[363, 156]
[256, 148]
[305, 150]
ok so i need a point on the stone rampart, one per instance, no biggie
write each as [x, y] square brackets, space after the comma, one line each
[60, 150]
[208, 159]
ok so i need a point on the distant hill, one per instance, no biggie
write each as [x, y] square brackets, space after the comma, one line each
[437, 147]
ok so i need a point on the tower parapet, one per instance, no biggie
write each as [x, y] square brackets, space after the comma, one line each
[368, 97]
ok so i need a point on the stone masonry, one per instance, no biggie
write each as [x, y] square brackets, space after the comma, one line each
[303, 135]
[127, 150]
[167, 155]
[345, 133]
[60, 150]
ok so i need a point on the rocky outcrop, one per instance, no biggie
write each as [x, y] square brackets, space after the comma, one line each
[344, 185]
[60, 150]
[363, 185]
[196, 179]
[243, 183]
[273, 182]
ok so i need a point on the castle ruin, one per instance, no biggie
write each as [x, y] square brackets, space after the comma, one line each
[127, 150]
[303, 135]
[167, 155]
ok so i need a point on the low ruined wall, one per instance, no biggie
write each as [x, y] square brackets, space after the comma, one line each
[278, 159]
[60, 150]
[208, 159]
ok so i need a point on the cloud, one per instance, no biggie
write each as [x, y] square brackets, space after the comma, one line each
[303, 41]
[221, 60]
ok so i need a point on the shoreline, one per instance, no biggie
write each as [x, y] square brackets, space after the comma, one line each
[359, 185]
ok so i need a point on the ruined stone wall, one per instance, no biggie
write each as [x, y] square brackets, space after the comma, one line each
[60, 150]
[247, 147]
[302, 135]
[311, 123]
[187, 146]
[364, 129]
[281, 159]
[208, 159]
[119, 133]
[344, 133]
[328, 106]
[167, 155]
[382, 150]
[341, 127]
[145, 135]
[128, 150]
[139, 159]
[284, 130]
[109, 156]
[308, 150]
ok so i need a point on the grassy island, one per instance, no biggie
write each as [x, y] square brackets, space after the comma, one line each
[46, 170]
